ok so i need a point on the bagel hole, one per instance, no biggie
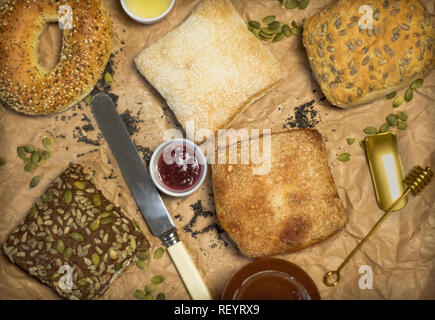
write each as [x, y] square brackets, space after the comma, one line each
[50, 46]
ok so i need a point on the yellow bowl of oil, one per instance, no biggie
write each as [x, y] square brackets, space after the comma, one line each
[147, 11]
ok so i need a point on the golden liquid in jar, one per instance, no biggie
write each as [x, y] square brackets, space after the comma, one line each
[147, 8]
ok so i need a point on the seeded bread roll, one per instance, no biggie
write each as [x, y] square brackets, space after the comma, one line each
[73, 227]
[355, 66]
[292, 207]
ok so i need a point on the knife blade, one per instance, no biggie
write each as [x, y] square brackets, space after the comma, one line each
[145, 193]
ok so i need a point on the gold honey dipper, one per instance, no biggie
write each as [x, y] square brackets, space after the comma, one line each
[416, 182]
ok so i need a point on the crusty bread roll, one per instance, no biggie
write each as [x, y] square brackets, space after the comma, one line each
[25, 85]
[355, 66]
[292, 207]
[210, 68]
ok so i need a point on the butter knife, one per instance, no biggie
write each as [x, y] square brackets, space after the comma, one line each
[145, 193]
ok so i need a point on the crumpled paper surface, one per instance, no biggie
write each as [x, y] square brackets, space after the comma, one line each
[401, 253]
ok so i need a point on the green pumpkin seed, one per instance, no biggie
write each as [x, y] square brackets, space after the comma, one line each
[409, 94]
[296, 31]
[76, 236]
[157, 279]
[107, 220]
[96, 199]
[268, 19]
[303, 4]
[417, 84]
[104, 214]
[161, 296]
[82, 282]
[35, 157]
[265, 37]
[255, 32]
[291, 4]
[159, 253]
[67, 196]
[29, 148]
[2, 161]
[278, 37]
[397, 102]
[108, 79]
[33, 212]
[286, 30]
[274, 25]
[144, 255]
[149, 296]
[118, 266]
[95, 259]
[268, 32]
[88, 100]
[139, 294]
[46, 142]
[60, 246]
[391, 95]
[384, 128]
[370, 130]
[392, 119]
[140, 264]
[362, 144]
[45, 154]
[95, 224]
[350, 141]
[21, 153]
[67, 253]
[344, 157]
[81, 185]
[254, 24]
[47, 198]
[150, 288]
[402, 115]
[29, 166]
[34, 182]
[55, 276]
[402, 125]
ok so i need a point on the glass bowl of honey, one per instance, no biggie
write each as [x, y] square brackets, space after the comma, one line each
[147, 11]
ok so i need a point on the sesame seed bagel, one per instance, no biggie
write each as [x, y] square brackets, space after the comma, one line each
[28, 87]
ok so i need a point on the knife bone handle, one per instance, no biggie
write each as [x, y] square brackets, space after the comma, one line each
[189, 273]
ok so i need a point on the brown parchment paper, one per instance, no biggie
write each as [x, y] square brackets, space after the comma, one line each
[401, 253]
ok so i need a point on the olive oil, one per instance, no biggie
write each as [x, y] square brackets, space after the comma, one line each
[147, 8]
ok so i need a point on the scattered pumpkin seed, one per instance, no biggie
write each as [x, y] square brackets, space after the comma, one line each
[76, 236]
[96, 199]
[35, 157]
[296, 30]
[362, 144]
[402, 125]
[46, 142]
[159, 253]
[83, 282]
[144, 255]
[384, 128]
[21, 153]
[268, 19]
[2, 161]
[344, 157]
[34, 182]
[29, 166]
[157, 279]
[397, 102]
[161, 296]
[95, 224]
[106, 220]
[417, 84]
[150, 287]
[286, 30]
[392, 119]
[140, 264]
[60, 246]
[370, 130]
[67, 196]
[303, 4]
[391, 95]
[402, 115]
[29, 148]
[274, 25]
[254, 24]
[409, 94]
[81, 185]
[33, 212]
[67, 253]
[104, 214]
[95, 259]
[278, 37]
[149, 296]
[291, 4]
[45, 154]
[139, 294]
[108, 79]
[350, 141]
[47, 198]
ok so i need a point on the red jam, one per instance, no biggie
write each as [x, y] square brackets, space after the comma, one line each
[179, 167]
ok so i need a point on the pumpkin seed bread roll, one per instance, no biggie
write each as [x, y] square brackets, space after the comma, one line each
[28, 87]
[355, 65]
[74, 229]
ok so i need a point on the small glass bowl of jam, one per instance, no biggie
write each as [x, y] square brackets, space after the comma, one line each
[178, 167]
